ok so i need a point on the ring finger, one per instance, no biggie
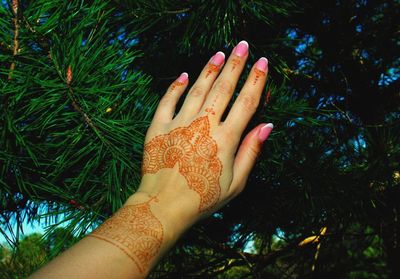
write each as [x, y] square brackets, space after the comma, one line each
[198, 93]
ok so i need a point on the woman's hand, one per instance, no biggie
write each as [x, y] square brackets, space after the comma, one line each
[192, 165]
[189, 159]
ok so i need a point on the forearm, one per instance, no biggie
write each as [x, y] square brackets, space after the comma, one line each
[192, 165]
[127, 245]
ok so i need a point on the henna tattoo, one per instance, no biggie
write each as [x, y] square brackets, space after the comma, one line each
[176, 84]
[235, 62]
[258, 74]
[211, 68]
[210, 110]
[193, 149]
[134, 230]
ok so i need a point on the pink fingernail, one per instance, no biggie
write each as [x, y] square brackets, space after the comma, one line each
[265, 131]
[218, 59]
[262, 64]
[183, 78]
[241, 49]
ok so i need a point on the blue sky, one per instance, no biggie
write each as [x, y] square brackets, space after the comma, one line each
[27, 228]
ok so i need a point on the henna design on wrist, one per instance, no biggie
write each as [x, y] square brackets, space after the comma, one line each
[134, 230]
[195, 151]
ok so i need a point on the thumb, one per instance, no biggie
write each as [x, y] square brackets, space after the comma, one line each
[247, 155]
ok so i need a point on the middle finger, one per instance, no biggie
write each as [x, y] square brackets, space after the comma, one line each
[223, 88]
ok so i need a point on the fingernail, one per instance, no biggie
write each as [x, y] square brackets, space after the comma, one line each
[262, 64]
[265, 131]
[218, 59]
[241, 49]
[183, 78]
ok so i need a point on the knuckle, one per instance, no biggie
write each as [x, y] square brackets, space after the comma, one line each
[167, 98]
[249, 103]
[223, 86]
[229, 137]
[197, 91]
[254, 152]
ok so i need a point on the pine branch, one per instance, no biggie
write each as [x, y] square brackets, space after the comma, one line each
[16, 34]
[178, 11]
[75, 104]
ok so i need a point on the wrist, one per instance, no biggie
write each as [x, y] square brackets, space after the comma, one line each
[172, 223]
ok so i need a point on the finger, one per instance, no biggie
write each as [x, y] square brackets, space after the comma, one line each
[247, 156]
[197, 94]
[166, 108]
[247, 102]
[222, 89]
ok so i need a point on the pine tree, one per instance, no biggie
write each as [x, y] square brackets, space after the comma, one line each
[79, 84]
[74, 112]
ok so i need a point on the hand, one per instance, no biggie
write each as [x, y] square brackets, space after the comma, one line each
[191, 167]
[189, 159]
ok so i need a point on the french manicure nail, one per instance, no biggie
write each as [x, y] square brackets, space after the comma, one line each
[241, 49]
[262, 64]
[183, 78]
[218, 59]
[265, 131]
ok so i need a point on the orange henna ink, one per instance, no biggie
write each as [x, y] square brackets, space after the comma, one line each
[258, 74]
[260, 68]
[195, 152]
[134, 230]
[215, 63]
[240, 51]
[180, 81]
[211, 68]
[235, 62]
[176, 84]
[210, 110]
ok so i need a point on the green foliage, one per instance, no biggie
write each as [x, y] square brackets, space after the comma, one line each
[61, 141]
[27, 257]
[70, 150]
[31, 253]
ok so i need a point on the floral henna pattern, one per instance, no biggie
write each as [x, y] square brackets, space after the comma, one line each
[195, 152]
[136, 231]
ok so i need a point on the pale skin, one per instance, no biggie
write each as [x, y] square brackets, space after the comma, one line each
[193, 165]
